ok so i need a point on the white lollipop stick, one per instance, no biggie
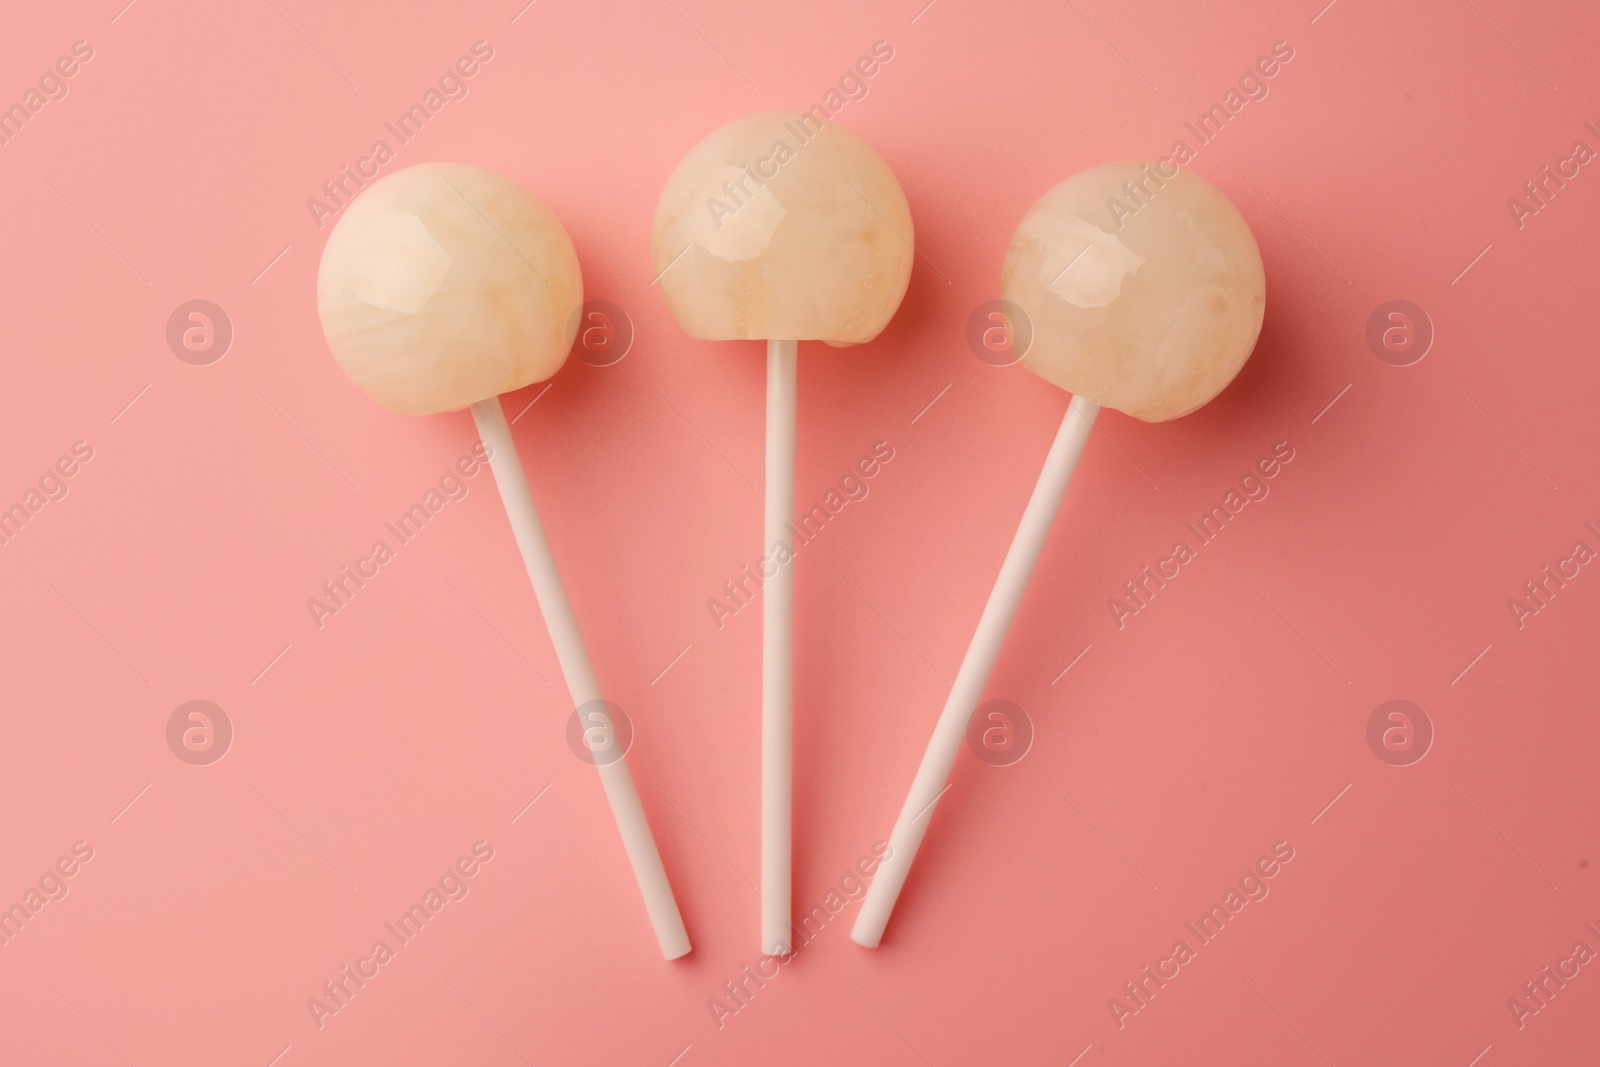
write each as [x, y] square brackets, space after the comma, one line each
[948, 735]
[777, 654]
[579, 673]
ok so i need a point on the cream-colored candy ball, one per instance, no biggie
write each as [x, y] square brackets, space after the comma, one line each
[1142, 285]
[780, 226]
[444, 284]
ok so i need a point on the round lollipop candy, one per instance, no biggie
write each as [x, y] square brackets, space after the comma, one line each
[781, 228]
[1151, 312]
[442, 286]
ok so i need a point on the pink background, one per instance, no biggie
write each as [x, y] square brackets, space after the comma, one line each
[1226, 716]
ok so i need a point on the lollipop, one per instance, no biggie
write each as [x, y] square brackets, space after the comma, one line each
[781, 228]
[442, 286]
[1151, 312]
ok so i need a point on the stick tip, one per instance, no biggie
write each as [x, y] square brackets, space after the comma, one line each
[865, 934]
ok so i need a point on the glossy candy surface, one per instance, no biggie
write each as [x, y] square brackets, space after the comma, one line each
[1143, 289]
[778, 226]
[444, 284]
